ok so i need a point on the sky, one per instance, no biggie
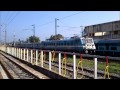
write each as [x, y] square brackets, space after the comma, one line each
[19, 23]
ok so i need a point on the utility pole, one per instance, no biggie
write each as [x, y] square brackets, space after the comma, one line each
[5, 34]
[82, 31]
[5, 27]
[56, 31]
[56, 28]
[33, 32]
[14, 38]
[33, 29]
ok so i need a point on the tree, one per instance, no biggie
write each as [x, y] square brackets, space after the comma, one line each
[56, 37]
[33, 39]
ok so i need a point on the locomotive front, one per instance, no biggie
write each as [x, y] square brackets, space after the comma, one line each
[88, 45]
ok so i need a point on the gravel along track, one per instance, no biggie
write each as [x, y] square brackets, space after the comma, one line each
[16, 70]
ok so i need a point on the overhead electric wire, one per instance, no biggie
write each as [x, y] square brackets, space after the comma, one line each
[10, 16]
[11, 20]
[71, 15]
[6, 17]
[67, 25]
[60, 18]
[13, 17]
[63, 23]
[45, 23]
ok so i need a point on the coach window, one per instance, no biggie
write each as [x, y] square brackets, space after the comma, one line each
[113, 48]
[101, 48]
[65, 43]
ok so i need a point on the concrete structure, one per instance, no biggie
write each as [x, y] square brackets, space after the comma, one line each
[109, 30]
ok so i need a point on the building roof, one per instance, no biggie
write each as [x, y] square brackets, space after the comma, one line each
[104, 23]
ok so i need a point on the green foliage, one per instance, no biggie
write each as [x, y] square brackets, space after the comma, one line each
[33, 39]
[114, 67]
[56, 37]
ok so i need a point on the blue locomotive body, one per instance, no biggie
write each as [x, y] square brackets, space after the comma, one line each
[78, 44]
[75, 44]
[108, 47]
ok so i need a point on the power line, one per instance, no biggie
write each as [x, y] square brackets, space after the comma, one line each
[11, 15]
[12, 19]
[45, 23]
[67, 25]
[21, 32]
[6, 17]
[7, 25]
[63, 23]
[60, 18]
[71, 15]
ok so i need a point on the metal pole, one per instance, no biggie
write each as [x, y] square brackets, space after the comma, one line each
[81, 30]
[21, 54]
[95, 68]
[36, 57]
[27, 55]
[50, 60]
[74, 66]
[14, 39]
[15, 52]
[41, 58]
[5, 34]
[31, 56]
[59, 63]
[33, 29]
[24, 54]
[55, 28]
[56, 31]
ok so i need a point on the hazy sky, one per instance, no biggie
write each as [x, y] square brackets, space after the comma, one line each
[19, 23]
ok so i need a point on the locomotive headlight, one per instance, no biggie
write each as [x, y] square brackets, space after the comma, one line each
[84, 47]
[93, 46]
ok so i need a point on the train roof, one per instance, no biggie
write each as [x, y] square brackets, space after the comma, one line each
[107, 41]
[64, 39]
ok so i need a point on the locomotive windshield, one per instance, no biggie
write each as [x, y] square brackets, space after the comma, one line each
[87, 40]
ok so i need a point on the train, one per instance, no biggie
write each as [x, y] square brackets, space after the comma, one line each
[73, 44]
[108, 47]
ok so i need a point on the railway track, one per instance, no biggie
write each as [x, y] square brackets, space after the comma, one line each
[3, 74]
[88, 73]
[17, 70]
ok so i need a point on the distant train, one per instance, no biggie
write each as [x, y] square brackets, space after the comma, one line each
[78, 44]
[108, 47]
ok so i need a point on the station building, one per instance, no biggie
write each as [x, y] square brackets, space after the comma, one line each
[108, 30]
